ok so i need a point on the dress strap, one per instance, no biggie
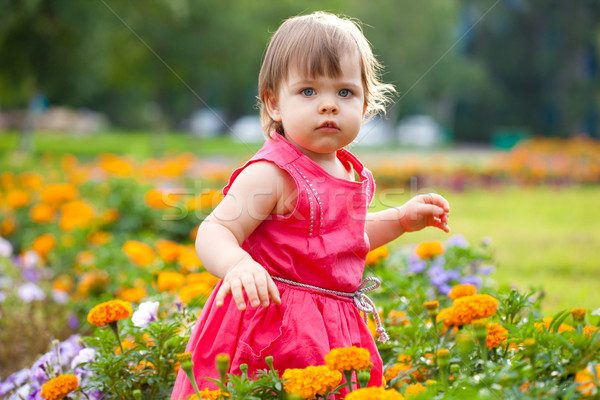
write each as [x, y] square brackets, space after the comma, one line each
[362, 301]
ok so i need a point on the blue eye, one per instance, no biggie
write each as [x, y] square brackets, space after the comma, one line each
[308, 92]
[344, 93]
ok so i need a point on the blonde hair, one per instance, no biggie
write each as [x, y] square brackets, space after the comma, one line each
[315, 44]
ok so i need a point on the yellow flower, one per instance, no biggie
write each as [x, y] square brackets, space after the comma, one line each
[76, 214]
[431, 305]
[110, 311]
[133, 295]
[496, 334]
[169, 280]
[207, 394]
[401, 368]
[586, 380]
[17, 198]
[348, 358]
[59, 387]
[188, 259]
[139, 253]
[99, 238]
[91, 280]
[376, 255]
[429, 249]
[44, 244]
[412, 390]
[311, 381]
[168, 250]
[58, 193]
[8, 226]
[109, 216]
[64, 283]
[545, 324]
[466, 309]
[461, 291]
[374, 393]
[159, 199]
[41, 213]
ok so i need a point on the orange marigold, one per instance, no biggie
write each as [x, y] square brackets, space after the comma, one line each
[115, 165]
[188, 259]
[445, 315]
[41, 213]
[92, 279]
[587, 379]
[59, 193]
[496, 334]
[374, 393]
[401, 369]
[348, 358]
[194, 290]
[133, 295]
[545, 324]
[17, 198]
[461, 291]
[31, 180]
[44, 244]
[76, 214]
[64, 283]
[311, 381]
[8, 226]
[170, 280]
[110, 311]
[139, 253]
[398, 318]
[376, 255]
[466, 309]
[207, 394]
[589, 330]
[168, 250]
[59, 387]
[158, 199]
[429, 249]
[99, 238]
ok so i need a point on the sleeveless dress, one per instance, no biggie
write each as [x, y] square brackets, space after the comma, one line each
[321, 243]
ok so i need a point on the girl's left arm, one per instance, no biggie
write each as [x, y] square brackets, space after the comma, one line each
[417, 213]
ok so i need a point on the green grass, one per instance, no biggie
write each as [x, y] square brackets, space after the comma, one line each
[544, 237]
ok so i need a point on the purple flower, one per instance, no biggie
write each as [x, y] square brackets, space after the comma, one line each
[29, 292]
[73, 321]
[2, 296]
[30, 259]
[14, 381]
[444, 289]
[60, 296]
[471, 280]
[487, 270]
[417, 266]
[31, 274]
[457, 240]
[84, 356]
[146, 313]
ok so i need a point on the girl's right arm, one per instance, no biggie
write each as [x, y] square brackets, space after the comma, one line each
[254, 194]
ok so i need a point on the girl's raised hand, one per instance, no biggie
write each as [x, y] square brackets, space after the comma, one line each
[251, 277]
[425, 210]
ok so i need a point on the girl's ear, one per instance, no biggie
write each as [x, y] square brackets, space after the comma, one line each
[272, 106]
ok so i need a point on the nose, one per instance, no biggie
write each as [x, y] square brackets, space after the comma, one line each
[328, 107]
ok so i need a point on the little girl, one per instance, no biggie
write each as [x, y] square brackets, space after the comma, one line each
[289, 238]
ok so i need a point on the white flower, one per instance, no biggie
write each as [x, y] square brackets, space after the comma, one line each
[29, 292]
[596, 311]
[146, 313]
[30, 259]
[85, 355]
[6, 248]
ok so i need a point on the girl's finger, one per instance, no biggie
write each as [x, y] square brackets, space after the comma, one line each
[261, 285]
[250, 287]
[223, 291]
[273, 291]
[238, 294]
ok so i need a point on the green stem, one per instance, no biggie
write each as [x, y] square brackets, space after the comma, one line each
[115, 328]
[348, 376]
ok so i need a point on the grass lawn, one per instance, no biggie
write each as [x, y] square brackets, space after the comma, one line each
[544, 237]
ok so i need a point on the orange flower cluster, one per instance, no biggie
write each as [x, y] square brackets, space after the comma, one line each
[348, 358]
[92, 279]
[168, 250]
[133, 295]
[461, 291]
[58, 193]
[401, 368]
[374, 393]
[197, 284]
[545, 325]
[496, 334]
[589, 330]
[110, 311]
[311, 381]
[59, 387]
[207, 394]
[414, 389]
[139, 253]
[586, 380]
[376, 255]
[170, 280]
[466, 309]
[427, 250]
[398, 318]
[76, 214]
[44, 244]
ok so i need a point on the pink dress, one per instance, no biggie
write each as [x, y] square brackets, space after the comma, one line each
[322, 243]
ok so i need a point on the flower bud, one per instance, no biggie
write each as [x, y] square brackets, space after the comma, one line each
[185, 362]
[443, 356]
[137, 394]
[269, 361]
[578, 314]
[480, 328]
[364, 376]
[530, 347]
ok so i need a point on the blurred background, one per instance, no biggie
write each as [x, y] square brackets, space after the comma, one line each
[485, 71]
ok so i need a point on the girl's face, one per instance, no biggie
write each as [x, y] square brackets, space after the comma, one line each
[321, 115]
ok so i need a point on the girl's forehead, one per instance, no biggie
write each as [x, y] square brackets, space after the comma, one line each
[332, 65]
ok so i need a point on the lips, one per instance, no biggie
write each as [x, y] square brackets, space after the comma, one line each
[328, 126]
